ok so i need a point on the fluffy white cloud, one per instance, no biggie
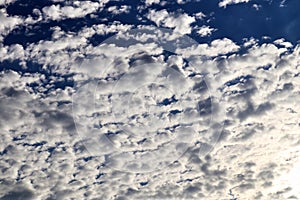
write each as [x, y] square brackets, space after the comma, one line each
[118, 10]
[200, 15]
[8, 23]
[205, 31]
[79, 9]
[283, 43]
[12, 52]
[181, 23]
[217, 47]
[150, 2]
[225, 3]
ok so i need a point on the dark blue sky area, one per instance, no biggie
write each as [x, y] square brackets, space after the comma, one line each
[243, 21]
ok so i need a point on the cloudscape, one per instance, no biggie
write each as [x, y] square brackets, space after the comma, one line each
[151, 99]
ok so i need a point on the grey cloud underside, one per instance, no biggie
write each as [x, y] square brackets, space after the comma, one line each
[43, 157]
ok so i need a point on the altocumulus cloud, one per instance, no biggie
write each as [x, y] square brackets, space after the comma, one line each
[256, 85]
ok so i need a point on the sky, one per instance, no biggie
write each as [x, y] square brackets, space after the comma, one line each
[151, 99]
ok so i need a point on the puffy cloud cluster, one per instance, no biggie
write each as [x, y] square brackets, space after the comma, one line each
[213, 117]
[8, 23]
[79, 9]
[181, 23]
[254, 86]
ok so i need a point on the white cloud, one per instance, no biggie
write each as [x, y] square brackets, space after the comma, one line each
[256, 6]
[205, 31]
[200, 15]
[80, 9]
[150, 2]
[217, 47]
[6, 2]
[225, 3]
[8, 23]
[12, 52]
[283, 43]
[181, 23]
[118, 10]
